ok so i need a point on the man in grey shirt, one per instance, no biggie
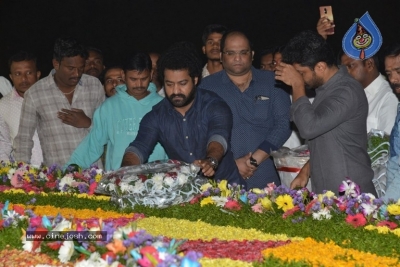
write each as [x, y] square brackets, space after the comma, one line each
[335, 123]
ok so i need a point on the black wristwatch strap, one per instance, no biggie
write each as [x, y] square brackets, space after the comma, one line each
[253, 162]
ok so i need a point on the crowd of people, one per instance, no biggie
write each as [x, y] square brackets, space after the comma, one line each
[226, 116]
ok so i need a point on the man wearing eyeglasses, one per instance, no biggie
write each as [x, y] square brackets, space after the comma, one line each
[94, 65]
[260, 110]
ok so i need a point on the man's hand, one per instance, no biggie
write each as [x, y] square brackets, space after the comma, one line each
[301, 179]
[74, 117]
[325, 27]
[206, 167]
[246, 170]
[130, 159]
[289, 75]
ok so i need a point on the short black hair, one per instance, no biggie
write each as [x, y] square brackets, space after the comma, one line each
[103, 74]
[68, 47]
[180, 56]
[212, 28]
[266, 51]
[307, 49]
[22, 56]
[392, 50]
[234, 32]
[138, 61]
[96, 50]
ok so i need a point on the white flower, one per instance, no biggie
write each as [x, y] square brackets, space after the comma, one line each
[169, 181]
[11, 173]
[182, 178]
[205, 187]
[66, 180]
[127, 229]
[322, 214]
[28, 245]
[124, 186]
[368, 209]
[43, 176]
[158, 178]
[111, 187]
[219, 201]
[63, 226]
[138, 187]
[94, 260]
[66, 251]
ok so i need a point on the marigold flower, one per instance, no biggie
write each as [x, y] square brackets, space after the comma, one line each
[206, 201]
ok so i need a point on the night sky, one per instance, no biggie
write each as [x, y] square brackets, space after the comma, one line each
[120, 26]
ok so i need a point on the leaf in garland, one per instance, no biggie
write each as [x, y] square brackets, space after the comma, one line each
[82, 250]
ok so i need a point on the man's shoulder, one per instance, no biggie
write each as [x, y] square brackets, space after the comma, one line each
[91, 82]
[215, 78]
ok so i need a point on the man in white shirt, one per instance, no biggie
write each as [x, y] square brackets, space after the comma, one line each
[23, 73]
[382, 102]
[5, 86]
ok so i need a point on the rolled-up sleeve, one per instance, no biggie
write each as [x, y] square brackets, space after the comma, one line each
[220, 124]
[23, 142]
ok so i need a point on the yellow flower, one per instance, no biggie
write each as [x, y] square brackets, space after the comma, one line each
[206, 201]
[328, 254]
[284, 202]
[396, 232]
[393, 209]
[265, 202]
[383, 229]
[257, 191]
[328, 194]
[224, 189]
[98, 177]
[204, 187]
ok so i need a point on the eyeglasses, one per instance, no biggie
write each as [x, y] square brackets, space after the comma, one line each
[114, 81]
[234, 53]
[96, 62]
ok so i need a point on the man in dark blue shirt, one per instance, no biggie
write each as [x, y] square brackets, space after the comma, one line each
[192, 125]
[261, 118]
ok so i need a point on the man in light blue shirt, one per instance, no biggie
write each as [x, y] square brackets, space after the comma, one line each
[116, 121]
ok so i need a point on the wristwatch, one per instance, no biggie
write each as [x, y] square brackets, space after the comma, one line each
[213, 161]
[253, 162]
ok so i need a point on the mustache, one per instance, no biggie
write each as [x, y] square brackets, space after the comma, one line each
[395, 85]
[177, 95]
[138, 88]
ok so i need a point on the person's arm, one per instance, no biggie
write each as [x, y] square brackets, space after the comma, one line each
[302, 178]
[280, 131]
[23, 142]
[5, 141]
[140, 149]
[92, 146]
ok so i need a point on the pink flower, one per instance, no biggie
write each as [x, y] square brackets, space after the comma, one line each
[35, 221]
[16, 179]
[92, 187]
[51, 185]
[290, 212]
[270, 188]
[232, 205]
[390, 225]
[356, 220]
[257, 208]
[195, 199]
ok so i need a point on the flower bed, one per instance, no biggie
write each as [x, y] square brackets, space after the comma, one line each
[228, 226]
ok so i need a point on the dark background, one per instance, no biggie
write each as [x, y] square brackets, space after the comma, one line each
[120, 26]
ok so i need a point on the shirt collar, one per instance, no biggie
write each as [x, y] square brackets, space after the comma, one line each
[374, 87]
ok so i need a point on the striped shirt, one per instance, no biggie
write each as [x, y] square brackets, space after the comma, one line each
[41, 104]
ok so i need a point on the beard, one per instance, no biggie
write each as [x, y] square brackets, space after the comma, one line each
[314, 83]
[181, 100]
[395, 87]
